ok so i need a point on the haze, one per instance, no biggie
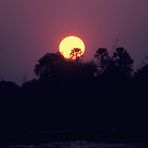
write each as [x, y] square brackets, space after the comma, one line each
[31, 28]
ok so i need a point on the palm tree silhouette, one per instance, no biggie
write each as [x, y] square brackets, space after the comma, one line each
[76, 53]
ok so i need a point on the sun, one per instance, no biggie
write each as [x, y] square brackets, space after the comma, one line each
[72, 47]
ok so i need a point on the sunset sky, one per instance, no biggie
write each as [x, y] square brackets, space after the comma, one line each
[31, 28]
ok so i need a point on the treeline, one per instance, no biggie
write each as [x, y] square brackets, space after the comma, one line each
[72, 93]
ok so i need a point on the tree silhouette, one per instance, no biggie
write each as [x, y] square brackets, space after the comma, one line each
[140, 84]
[46, 67]
[102, 59]
[123, 62]
[142, 73]
[75, 54]
[68, 89]
[8, 88]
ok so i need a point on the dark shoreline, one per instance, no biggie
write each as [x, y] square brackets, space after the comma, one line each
[96, 136]
[67, 144]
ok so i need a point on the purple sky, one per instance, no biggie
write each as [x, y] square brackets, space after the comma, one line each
[31, 28]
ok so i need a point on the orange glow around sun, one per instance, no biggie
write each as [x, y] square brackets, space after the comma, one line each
[68, 44]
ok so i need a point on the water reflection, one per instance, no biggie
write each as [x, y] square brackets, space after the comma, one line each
[80, 144]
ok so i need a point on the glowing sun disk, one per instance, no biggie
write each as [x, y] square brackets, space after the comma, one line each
[68, 44]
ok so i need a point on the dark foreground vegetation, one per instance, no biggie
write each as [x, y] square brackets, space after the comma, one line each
[103, 94]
